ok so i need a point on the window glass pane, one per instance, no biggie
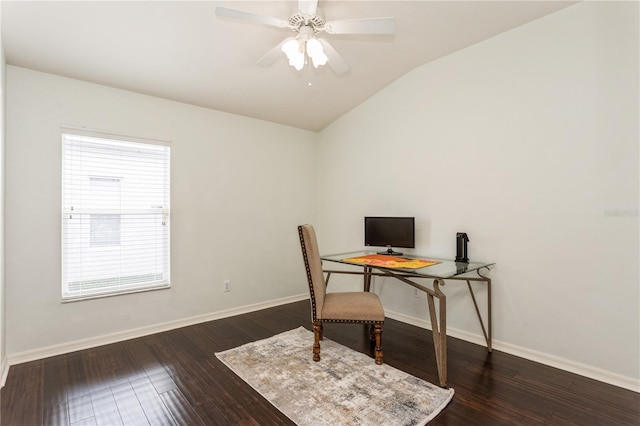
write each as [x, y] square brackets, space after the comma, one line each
[104, 230]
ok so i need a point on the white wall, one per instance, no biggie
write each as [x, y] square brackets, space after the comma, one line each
[3, 346]
[239, 189]
[529, 143]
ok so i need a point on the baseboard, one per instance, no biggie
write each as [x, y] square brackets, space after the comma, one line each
[4, 371]
[530, 354]
[93, 342]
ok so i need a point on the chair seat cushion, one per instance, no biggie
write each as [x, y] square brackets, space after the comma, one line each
[352, 306]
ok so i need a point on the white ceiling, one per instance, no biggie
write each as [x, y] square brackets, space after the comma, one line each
[179, 50]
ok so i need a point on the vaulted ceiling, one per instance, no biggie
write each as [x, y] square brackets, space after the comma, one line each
[180, 50]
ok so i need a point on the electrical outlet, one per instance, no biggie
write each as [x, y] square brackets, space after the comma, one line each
[226, 285]
[416, 293]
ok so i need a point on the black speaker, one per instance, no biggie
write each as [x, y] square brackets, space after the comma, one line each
[461, 247]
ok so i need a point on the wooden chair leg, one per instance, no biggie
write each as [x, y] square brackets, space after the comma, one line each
[377, 330]
[317, 336]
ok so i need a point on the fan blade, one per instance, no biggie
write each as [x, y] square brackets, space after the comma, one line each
[362, 26]
[273, 55]
[250, 17]
[308, 7]
[336, 62]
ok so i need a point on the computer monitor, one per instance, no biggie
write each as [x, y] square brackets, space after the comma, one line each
[389, 232]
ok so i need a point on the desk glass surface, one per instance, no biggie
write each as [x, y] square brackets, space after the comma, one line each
[447, 268]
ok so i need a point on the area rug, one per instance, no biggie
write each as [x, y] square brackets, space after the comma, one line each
[344, 388]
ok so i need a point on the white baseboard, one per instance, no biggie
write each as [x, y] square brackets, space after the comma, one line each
[106, 339]
[591, 372]
[4, 371]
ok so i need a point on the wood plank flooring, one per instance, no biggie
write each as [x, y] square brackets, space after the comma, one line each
[174, 378]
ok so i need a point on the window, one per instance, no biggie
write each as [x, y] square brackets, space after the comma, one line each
[115, 215]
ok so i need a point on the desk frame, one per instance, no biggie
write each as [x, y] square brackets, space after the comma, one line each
[438, 316]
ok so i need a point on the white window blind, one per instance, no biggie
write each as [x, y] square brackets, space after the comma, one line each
[115, 215]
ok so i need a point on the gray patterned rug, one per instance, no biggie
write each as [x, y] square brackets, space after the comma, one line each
[345, 388]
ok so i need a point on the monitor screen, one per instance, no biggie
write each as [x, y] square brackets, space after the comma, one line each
[389, 232]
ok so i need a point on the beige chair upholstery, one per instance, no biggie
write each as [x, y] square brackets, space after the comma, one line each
[351, 307]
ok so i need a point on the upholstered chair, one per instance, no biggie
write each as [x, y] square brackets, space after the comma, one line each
[344, 307]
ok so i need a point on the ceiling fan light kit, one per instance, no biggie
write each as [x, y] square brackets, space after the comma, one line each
[308, 22]
[295, 49]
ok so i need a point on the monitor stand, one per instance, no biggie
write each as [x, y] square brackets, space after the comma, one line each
[390, 252]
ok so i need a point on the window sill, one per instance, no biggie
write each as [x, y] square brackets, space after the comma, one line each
[70, 299]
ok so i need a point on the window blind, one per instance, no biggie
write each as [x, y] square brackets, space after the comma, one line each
[115, 216]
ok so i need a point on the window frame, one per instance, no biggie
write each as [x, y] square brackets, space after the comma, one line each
[120, 283]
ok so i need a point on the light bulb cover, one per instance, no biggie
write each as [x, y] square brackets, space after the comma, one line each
[314, 47]
[319, 59]
[297, 61]
[291, 48]
[316, 52]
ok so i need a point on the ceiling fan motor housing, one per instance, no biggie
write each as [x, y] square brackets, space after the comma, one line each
[298, 20]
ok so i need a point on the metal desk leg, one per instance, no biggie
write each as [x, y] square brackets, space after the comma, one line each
[485, 331]
[439, 330]
[367, 278]
[488, 281]
[489, 345]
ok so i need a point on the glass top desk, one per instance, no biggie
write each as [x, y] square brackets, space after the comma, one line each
[441, 270]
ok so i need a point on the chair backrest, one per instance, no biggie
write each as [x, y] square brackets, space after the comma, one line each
[313, 266]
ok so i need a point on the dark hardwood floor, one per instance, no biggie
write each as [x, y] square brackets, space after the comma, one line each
[175, 378]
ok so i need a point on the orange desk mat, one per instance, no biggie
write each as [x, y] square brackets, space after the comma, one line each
[387, 261]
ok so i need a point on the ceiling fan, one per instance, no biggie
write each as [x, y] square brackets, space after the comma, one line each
[308, 22]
